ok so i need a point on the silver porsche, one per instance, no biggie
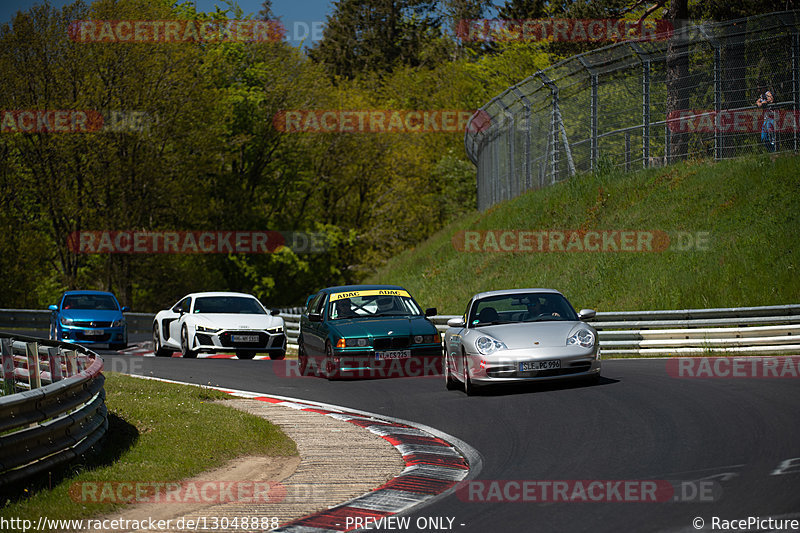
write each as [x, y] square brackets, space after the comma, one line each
[519, 335]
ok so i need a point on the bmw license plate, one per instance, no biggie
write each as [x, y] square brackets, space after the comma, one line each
[393, 354]
[244, 338]
[93, 332]
[527, 366]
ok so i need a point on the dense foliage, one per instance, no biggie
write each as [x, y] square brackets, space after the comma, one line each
[204, 153]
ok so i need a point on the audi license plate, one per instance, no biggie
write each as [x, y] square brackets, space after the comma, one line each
[93, 332]
[244, 338]
[527, 366]
[393, 354]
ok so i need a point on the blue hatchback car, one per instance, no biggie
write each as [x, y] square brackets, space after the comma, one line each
[89, 317]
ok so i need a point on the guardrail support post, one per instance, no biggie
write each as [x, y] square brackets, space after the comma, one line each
[34, 372]
[54, 359]
[7, 355]
[627, 151]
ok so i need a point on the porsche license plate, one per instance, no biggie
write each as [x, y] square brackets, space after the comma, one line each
[393, 354]
[527, 366]
[244, 338]
[93, 332]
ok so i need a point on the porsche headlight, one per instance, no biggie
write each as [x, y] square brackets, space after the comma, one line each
[488, 345]
[204, 329]
[582, 337]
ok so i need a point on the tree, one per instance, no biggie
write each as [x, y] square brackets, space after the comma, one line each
[376, 35]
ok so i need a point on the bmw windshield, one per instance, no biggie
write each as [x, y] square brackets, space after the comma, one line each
[363, 304]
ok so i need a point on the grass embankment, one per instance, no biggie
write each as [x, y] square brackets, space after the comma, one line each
[748, 207]
[157, 432]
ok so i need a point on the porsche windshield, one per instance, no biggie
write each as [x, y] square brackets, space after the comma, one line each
[372, 306]
[239, 305]
[524, 307]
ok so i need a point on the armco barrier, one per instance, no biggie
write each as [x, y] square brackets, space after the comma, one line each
[39, 319]
[54, 408]
[767, 330]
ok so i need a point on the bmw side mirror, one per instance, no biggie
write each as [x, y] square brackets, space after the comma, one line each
[53, 307]
[275, 312]
[457, 322]
[587, 314]
[125, 308]
[315, 317]
[431, 311]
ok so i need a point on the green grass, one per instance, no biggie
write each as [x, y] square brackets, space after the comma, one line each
[157, 432]
[749, 206]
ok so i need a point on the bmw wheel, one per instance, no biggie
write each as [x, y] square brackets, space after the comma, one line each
[302, 359]
[331, 368]
[185, 350]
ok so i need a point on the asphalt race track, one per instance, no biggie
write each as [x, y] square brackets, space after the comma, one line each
[638, 423]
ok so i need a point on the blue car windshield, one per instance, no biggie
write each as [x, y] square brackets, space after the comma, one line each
[523, 307]
[99, 302]
[239, 305]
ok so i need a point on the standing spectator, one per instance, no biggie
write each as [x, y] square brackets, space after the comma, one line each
[765, 101]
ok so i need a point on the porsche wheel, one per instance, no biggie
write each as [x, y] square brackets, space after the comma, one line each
[185, 350]
[469, 387]
[449, 379]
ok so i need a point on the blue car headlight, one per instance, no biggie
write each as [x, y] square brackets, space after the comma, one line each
[582, 337]
[488, 345]
[117, 323]
[66, 321]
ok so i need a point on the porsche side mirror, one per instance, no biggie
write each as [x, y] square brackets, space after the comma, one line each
[431, 311]
[586, 314]
[457, 322]
[315, 317]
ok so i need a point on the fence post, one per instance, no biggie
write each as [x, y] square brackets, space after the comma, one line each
[717, 90]
[508, 132]
[627, 151]
[796, 84]
[646, 112]
[527, 105]
[594, 120]
[667, 145]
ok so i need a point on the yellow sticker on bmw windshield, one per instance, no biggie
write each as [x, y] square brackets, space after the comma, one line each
[371, 292]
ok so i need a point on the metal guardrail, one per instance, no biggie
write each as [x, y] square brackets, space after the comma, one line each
[54, 410]
[767, 330]
[39, 319]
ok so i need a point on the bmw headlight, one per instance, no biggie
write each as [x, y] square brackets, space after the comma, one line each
[488, 345]
[117, 323]
[582, 337]
[66, 321]
[204, 329]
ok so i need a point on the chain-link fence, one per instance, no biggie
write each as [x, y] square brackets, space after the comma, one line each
[643, 103]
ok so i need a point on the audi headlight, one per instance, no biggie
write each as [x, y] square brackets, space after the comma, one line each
[582, 337]
[488, 345]
[273, 331]
[66, 321]
[204, 329]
